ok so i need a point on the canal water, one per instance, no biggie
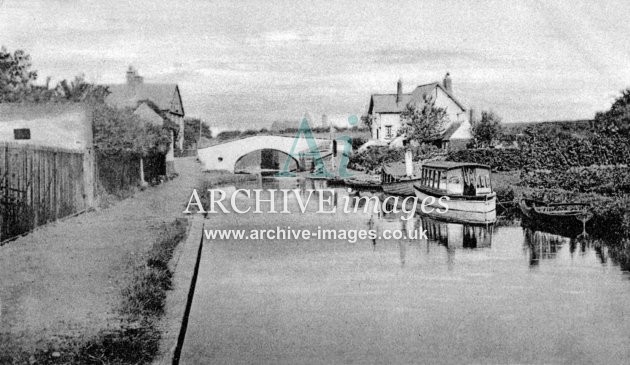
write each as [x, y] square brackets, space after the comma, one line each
[467, 294]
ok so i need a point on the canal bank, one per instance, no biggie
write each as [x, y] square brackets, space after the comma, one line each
[184, 265]
[63, 286]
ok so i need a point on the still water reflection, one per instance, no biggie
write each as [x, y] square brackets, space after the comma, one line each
[465, 294]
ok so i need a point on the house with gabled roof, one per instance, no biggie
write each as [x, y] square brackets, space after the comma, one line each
[149, 101]
[385, 111]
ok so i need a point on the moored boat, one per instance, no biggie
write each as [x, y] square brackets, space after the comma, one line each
[366, 182]
[555, 214]
[467, 187]
[396, 180]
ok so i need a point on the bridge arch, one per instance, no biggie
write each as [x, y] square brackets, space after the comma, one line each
[278, 160]
[225, 155]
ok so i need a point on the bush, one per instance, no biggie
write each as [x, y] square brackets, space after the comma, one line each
[228, 135]
[604, 181]
[358, 142]
[118, 131]
[542, 150]
[497, 159]
[374, 158]
[191, 131]
[249, 133]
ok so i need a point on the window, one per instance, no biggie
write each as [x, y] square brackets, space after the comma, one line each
[22, 133]
[443, 182]
[388, 131]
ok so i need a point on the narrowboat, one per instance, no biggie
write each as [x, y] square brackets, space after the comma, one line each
[396, 180]
[467, 186]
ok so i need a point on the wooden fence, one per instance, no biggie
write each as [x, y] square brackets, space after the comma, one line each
[38, 185]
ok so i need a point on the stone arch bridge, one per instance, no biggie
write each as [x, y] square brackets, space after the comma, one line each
[225, 155]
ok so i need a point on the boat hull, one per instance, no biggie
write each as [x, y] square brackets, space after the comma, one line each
[481, 210]
[402, 188]
[563, 222]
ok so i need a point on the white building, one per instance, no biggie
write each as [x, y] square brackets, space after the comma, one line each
[385, 112]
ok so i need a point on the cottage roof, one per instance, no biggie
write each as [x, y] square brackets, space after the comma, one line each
[386, 103]
[165, 96]
[147, 113]
[421, 91]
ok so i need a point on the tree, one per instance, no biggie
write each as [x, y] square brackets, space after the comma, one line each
[487, 130]
[16, 76]
[120, 132]
[617, 119]
[423, 122]
[79, 91]
[191, 131]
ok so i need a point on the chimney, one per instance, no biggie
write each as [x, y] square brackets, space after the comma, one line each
[448, 83]
[132, 77]
[399, 91]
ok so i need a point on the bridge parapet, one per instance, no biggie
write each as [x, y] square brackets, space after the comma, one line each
[225, 155]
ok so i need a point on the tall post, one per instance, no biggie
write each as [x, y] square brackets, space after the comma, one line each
[408, 163]
[143, 183]
[199, 140]
[332, 148]
[170, 157]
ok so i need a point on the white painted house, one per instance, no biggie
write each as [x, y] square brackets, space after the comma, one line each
[385, 112]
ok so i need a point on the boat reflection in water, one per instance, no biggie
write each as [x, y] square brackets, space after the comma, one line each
[450, 234]
[543, 245]
[456, 234]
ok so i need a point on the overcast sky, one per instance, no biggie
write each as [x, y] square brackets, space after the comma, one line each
[248, 63]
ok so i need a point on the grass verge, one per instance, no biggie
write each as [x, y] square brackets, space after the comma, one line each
[136, 339]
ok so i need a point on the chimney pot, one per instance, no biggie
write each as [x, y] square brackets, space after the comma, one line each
[132, 76]
[448, 83]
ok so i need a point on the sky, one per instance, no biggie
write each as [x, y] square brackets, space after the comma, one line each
[244, 64]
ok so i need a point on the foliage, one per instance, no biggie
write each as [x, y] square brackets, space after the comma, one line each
[611, 215]
[17, 83]
[487, 130]
[228, 135]
[118, 131]
[604, 181]
[508, 159]
[249, 133]
[374, 158]
[79, 90]
[368, 121]
[617, 119]
[423, 122]
[191, 131]
[16, 76]
[541, 148]
[358, 142]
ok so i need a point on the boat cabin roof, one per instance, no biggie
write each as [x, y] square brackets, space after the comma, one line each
[398, 169]
[450, 165]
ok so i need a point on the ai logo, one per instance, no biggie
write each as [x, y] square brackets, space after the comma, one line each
[320, 167]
